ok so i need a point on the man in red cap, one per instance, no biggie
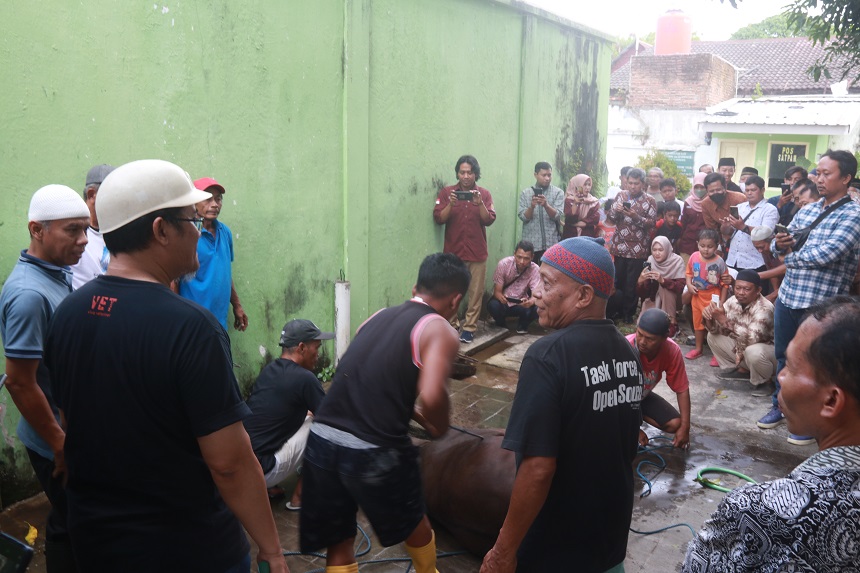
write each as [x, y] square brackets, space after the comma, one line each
[212, 285]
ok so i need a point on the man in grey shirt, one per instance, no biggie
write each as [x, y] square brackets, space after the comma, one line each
[541, 207]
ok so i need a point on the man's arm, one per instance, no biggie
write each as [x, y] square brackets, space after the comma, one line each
[531, 486]
[842, 236]
[498, 294]
[556, 204]
[438, 347]
[239, 478]
[442, 209]
[682, 436]
[527, 206]
[241, 322]
[33, 406]
[485, 210]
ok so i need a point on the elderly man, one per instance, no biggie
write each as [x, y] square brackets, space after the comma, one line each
[821, 252]
[515, 282]
[774, 269]
[576, 406]
[359, 453]
[634, 214]
[285, 391]
[212, 285]
[660, 355]
[94, 261]
[655, 175]
[807, 521]
[716, 207]
[740, 333]
[467, 210]
[726, 168]
[159, 464]
[58, 220]
[754, 212]
[541, 208]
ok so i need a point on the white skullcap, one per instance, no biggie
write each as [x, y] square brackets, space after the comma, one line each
[53, 202]
[761, 233]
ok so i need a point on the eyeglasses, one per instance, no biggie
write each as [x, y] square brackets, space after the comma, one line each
[198, 221]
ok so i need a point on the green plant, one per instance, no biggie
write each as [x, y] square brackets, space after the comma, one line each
[757, 93]
[326, 373]
[656, 158]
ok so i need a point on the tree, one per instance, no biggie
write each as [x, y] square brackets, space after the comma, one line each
[834, 24]
[777, 26]
[670, 169]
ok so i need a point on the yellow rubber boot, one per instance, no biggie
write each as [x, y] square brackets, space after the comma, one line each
[424, 558]
[351, 568]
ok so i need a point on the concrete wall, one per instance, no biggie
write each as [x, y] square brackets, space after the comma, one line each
[331, 124]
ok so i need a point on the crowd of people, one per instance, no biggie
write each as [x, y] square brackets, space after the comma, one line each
[114, 326]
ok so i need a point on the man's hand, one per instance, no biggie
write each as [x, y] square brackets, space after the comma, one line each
[501, 298]
[736, 223]
[643, 438]
[476, 197]
[241, 322]
[275, 561]
[528, 303]
[784, 241]
[682, 438]
[538, 200]
[497, 562]
[784, 199]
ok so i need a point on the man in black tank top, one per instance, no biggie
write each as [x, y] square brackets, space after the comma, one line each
[359, 453]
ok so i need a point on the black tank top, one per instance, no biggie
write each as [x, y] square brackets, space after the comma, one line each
[375, 386]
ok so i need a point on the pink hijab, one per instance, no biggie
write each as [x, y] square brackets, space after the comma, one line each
[692, 201]
[588, 201]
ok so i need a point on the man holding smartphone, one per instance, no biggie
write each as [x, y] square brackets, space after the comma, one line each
[540, 210]
[515, 281]
[467, 210]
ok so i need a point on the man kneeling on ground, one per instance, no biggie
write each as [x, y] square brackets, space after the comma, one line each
[740, 333]
[660, 354]
[359, 452]
[280, 401]
[514, 283]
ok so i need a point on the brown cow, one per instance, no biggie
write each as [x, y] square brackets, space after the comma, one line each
[468, 479]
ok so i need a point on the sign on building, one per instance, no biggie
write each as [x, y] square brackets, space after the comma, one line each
[782, 156]
[683, 159]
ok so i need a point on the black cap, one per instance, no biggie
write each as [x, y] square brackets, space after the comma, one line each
[726, 161]
[654, 321]
[749, 276]
[301, 330]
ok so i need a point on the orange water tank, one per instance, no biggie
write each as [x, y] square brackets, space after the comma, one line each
[674, 33]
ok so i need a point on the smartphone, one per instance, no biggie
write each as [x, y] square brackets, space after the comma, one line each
[626, 204]
[514, 300]
[715, 298]
[734, 212]
[14, 554]
[786, 188]
[646, 265]
[780, 228]
[463, 195]
[537, 191]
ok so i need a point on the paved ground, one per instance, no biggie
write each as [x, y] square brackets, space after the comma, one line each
[723, 434]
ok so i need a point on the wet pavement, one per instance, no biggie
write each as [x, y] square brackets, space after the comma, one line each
[723, 434]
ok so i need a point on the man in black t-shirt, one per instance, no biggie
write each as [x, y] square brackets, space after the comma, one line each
[576, 406]
[280, 401]
[159, 464]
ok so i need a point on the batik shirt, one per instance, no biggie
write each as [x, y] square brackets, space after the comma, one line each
[807, 522]
[748, 325]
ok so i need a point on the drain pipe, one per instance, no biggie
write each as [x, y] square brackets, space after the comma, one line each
[341, 319]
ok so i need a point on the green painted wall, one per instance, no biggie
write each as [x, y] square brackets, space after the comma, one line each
[331, 124]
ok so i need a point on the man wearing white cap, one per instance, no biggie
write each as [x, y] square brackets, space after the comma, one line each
[58, 220]
[159, 464]
[96, 257]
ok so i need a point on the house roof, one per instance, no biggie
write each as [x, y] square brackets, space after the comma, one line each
[778, 65]
[817, 115]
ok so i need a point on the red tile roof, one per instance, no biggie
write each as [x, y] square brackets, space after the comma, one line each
[778, 64]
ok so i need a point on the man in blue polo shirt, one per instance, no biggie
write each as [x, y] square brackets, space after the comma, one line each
[58, 220]
[212, 285]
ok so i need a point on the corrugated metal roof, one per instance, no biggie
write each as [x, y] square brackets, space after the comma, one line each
[824, 114]
[778, 65]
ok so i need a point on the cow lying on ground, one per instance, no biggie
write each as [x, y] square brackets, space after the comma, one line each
[468, 479]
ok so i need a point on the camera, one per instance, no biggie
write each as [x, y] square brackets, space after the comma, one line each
[463, 195]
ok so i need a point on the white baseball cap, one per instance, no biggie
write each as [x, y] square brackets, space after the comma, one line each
[135, 189]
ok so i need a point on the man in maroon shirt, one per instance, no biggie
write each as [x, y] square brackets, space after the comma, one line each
[466, 210]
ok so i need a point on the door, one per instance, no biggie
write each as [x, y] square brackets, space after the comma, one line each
[742, 151]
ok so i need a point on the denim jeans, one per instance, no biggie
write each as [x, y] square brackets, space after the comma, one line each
[786, 321]
[500, 312]
[244, 566]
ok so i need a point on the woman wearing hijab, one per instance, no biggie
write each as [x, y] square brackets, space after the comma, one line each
[662, 281]
[692, 219]
[581, 210]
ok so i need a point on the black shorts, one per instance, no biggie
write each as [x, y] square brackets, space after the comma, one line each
[658, 409]
[384, 482]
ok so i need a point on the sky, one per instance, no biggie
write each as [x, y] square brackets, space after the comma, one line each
[712, 19]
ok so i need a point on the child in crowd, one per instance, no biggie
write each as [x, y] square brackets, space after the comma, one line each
[692, 218]
[662, 281]
[669, 225]
[669, 192]
[606, 228]
[705, 272]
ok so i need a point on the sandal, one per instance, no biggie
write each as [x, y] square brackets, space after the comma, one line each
[693, 354]
[714, 362]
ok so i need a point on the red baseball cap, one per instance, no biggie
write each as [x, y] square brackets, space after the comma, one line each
[204, 183]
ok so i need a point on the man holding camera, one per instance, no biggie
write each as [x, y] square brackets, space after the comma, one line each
[540, 210]
[466, 210]
[821, 251]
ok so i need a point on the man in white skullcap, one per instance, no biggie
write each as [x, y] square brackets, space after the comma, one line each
[58, 220]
